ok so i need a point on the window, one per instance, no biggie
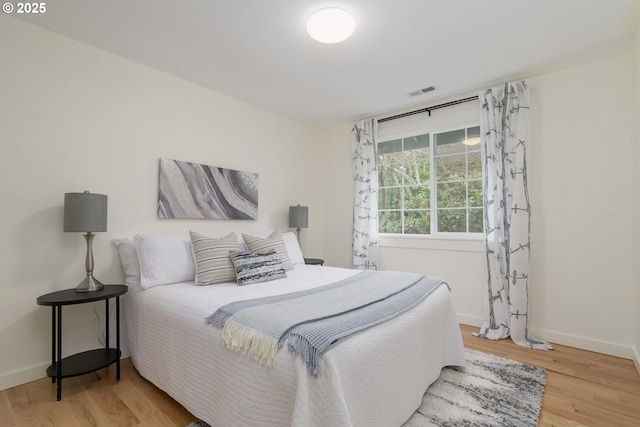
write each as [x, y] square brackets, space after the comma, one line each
[431, 183]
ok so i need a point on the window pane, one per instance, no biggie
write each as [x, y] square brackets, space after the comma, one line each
[452, 194]
[390, 198]
[390, 175]
[452, 220]
[390, 150]
[416, 173]
[475, 221]
[450, 142]
[389, 222]
[451, 168]
[417, 222]
[473, 143]
[475, 194]
[416, 197]
[475, 165]
[416, 159]
[417, 143]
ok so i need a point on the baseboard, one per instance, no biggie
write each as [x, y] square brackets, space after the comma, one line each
[569, 340]
[469, 320]
[636, 359]
[16, 378]
[584, 343]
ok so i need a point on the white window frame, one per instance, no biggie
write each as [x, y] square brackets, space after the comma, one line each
[388, 239]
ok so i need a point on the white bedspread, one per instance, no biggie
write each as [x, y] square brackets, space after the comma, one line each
[374, 378]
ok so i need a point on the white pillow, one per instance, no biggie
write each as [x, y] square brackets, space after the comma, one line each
[164, 259]
[293, 247]
[129, 259]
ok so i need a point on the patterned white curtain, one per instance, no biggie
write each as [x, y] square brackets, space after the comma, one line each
[365, 196]
[504, 129]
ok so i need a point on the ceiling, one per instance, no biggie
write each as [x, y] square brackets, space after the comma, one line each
[258, 50]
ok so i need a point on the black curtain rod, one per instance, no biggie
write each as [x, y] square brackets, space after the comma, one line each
[428, 109]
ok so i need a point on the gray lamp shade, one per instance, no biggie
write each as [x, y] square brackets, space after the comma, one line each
[298, 216]
[85, 212]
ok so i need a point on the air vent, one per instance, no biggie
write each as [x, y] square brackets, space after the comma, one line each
[421, 91]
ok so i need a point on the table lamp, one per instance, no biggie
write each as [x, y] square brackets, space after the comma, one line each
[298, 218]
[86, 213]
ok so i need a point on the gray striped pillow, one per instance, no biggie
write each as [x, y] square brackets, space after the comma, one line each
[257, 268]
[211, 256]
[275, 242]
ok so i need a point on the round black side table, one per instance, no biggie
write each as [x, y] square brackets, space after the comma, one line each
[87, 361]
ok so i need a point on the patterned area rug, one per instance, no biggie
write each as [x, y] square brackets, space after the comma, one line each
[490, 392]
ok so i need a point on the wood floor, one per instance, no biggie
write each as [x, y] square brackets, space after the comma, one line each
[583, 389]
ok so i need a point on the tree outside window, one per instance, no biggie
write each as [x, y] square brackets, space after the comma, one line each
[431, 183]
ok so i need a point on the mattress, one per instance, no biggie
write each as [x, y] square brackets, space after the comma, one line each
[376, 377]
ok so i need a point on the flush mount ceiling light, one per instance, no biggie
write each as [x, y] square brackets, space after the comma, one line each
[475, 140]
[331, 25]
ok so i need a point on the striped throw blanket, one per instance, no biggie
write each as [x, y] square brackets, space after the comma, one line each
[312, 320]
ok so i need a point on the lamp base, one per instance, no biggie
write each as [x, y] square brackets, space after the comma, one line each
[89, 284]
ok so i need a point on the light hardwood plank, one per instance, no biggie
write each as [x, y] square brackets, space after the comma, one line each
[7, 419]
[583, 389]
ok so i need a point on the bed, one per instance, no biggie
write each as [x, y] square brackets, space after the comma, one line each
[376, 377]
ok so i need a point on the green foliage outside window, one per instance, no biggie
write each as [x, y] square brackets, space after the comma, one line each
[405, 202]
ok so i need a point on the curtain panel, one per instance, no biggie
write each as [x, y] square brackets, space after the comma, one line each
[504, 130]
[365, 195]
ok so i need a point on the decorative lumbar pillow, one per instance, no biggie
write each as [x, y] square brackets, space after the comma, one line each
[211, 255]
[164, 259]
[274, 242]
[257, 268]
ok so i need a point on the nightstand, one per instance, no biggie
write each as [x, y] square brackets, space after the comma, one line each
[87, 361]
[313, 261]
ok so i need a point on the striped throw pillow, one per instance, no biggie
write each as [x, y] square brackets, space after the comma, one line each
[275, 242]
[257, 268]
[211, 256]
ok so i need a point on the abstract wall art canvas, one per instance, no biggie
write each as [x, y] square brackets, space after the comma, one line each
[194, 191]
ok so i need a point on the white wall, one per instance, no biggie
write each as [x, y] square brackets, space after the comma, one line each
[636, 200]
[74, 118]
[581, 171]
[581, 182]
[338, 197]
